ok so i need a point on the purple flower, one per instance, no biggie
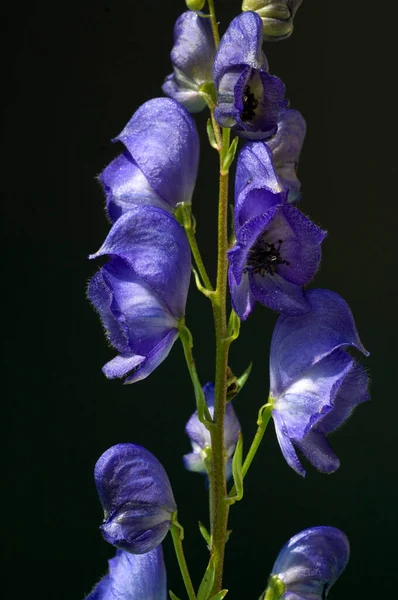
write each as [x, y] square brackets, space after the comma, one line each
[192, 57]
[277, 16]
[160, 163]
[249, 98]
[133, 577]
[136, 496]
[277, 248]
[200, 436]
[286, 147]
[315, 383]
[140, 294]
[309, 564]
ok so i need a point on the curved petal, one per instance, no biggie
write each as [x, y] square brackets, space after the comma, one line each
[136, 496]
[163, 141]
[255, 200]
[278, 294]
[133, 577]
[311, 396]
[317, 451]
[311, 561]
[255, 161]
[286, 147]
[301, 244]
[242, 299]
[194, 50]
[138, 366]
[298, 342]
[353, 390]
[240, 44]
[101, 297]
[126, 186]
[137, 309]
[155, 246]
[285, 444]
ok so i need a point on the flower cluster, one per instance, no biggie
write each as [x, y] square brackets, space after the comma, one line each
[140, 295]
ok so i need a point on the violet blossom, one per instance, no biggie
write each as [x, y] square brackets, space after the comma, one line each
[140, 294]
[136, 496]
[315, 384]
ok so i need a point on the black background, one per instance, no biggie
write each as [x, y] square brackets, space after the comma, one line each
[74, 75]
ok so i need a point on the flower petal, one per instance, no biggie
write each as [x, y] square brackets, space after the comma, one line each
[155, 246]
[194, 50]
[286, 446]
[126, 186]
[133, 577]
[312, 395]
[255, 161]
[311, 562]
[298, 342]
[177, 87]
[242, 299]
[163, 141]
[278, 294]
[138, 366]
[136, 496]
[353, 390]
[241, 44]
[286, 146]
[317, 451]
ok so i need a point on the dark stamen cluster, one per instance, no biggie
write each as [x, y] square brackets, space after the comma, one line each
[265, 258]
[249, 104]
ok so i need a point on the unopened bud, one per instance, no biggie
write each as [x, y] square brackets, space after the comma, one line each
[277, 16]
[195, 4]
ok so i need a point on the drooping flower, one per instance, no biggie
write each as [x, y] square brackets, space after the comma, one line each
[315, 383]
[133, 577]
[140, 294]
[250, 100]
[277, 248]
[160, 163]
[200, 436]
[277, 16]
[136, 496]
[286, 147]
[192, 57]
[309, 564]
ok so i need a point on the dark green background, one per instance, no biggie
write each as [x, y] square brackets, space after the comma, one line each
[75, 73]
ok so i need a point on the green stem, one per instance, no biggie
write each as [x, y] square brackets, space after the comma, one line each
[177, 541]
[198, 258]
[264, 416]
[214, 24]
[187, 344]
[218, 487]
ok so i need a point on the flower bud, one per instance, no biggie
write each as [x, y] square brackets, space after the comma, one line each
[277, 16]
[136, 496]
[195, 4]
[200, 436]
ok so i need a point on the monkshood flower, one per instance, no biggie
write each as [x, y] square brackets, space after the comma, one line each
[277, 248]
[286, 147]
[200, 436]
[133, 577]
[160, 162]
[315, 384]
[308, 565]
[277, 16]
[136, 496]
[140, 294]
[192, 57]
[249, 98]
